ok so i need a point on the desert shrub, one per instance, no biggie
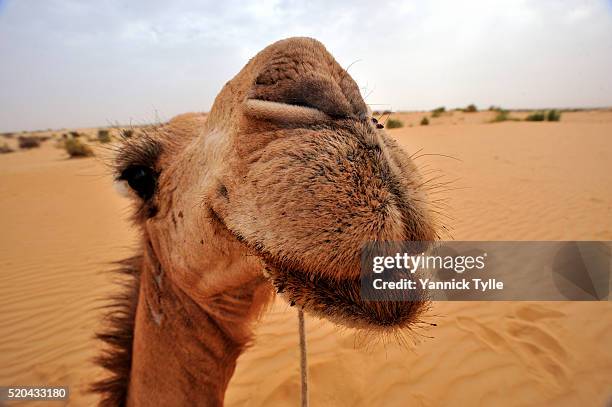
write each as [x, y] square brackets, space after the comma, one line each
[553, 115]
[75, 134]
[502, 116]
[536, 117]
[394, 124]
[28, 142]
[76, 148]
[104, 136]
[5, 149]
[437, 112]
[471, 109]
[7, 135]
[386, 112]
[424, 121]
[494, 108]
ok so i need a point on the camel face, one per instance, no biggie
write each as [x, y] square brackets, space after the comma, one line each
[287, 177]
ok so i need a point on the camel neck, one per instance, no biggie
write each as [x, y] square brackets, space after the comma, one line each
[185, 353]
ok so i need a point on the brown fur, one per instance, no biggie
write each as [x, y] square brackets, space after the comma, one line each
[119, 336]
[286, 178]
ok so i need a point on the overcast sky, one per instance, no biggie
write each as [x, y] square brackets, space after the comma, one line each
[68, 63]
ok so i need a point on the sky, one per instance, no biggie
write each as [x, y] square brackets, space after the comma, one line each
[68, 63]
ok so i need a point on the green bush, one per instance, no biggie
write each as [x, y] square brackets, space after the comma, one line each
[536, 117]
[471, 109]
[437, 112]
[553, 115]
[502, 116]
[76, 148]
[104, 136]
[424, 121]
[394, 124]
[540, 116]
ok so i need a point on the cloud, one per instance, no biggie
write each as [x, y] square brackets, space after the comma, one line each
[72, 63]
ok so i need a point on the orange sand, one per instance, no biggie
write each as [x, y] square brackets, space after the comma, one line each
[62, 224]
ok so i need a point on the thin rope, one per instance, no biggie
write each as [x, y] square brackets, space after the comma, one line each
[303, 358]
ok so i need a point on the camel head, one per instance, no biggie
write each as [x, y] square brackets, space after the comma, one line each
[287, 177]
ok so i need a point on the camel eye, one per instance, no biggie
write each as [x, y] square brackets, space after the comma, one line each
[143, 180]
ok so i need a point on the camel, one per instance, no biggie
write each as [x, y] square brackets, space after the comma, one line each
[273, 192]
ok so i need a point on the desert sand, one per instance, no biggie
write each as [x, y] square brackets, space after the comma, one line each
[63, 225]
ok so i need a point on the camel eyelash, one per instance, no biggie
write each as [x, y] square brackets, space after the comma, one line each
[140, 151]
[135, 166]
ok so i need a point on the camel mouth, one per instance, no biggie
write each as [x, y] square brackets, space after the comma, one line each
[337, 300]
[341, 302]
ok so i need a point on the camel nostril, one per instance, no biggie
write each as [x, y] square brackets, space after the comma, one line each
[306, 75]
[263, 79]
[312, 90]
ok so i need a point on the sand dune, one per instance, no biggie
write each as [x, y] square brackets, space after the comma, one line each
[62, 226]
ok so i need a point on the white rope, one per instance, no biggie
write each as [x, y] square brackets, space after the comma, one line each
[303, 358]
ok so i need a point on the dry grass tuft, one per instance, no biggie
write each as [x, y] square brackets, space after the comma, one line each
[5, 149]
[27, 142]
[104, 136]
[394, 124]
[77, 149]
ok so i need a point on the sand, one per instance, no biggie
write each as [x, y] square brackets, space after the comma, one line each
[63, 224]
